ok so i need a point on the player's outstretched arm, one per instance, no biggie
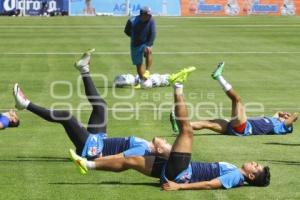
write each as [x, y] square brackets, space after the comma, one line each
[203, 185]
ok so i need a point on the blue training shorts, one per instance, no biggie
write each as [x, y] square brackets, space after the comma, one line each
[183, 177]
[137, 54]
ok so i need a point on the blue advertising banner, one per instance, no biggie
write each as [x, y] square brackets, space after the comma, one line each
[119, 7]
[34, 7]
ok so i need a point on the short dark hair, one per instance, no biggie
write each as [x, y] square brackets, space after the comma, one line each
[262, 179]
[16, 124]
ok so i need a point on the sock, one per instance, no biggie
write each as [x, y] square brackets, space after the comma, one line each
[178, 88]
[225, 85]
[26, 103]
[85, 69]
[91, 164]
[23, 100]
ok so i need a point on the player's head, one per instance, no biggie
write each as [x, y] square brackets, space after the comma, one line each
[283, 116]
[145, 13]
[256, 174]
[14, 120]
[161, 147]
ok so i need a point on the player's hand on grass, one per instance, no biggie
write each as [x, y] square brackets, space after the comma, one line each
[170, 186]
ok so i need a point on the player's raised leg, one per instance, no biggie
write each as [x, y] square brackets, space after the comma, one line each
[113, 164]
[98, 119]
[216, 125]
[238, 113]
[75, 131]
[180, 156]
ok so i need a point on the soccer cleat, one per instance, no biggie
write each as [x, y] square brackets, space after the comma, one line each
[21, 100]
[79, 162]
[181, 76]
[173, 122]
[146, 74]
[138, 86]
[83, 64]
[218, 71]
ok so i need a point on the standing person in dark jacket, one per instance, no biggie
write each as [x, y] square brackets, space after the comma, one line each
[142, 31]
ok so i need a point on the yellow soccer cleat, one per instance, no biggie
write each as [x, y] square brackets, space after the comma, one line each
[138, 86]
[146, 74]
[181, 76]
[79, 162]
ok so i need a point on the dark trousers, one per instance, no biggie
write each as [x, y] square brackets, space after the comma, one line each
[76, 132]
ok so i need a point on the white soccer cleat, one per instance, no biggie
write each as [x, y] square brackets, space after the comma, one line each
[21, 100]
[83, 64]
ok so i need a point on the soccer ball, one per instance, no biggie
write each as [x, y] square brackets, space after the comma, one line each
[146, 84]
[124, 80]
[165, 80]
[156, 80]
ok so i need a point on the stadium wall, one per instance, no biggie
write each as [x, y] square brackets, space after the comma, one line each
[120, 7]
[159, 7]
[239, 7]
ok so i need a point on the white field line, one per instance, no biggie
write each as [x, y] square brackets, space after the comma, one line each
[73, 27]
[253, 25]
[165, 109]
[156, 53]
[158, 26]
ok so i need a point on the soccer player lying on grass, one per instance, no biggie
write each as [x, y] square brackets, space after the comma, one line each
[92, 142]
[178, 172]
[9, 119]
[281, 123]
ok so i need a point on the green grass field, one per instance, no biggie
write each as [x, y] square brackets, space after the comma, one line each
[262, 62]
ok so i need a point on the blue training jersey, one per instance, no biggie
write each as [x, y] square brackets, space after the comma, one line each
[140, 32]
[268, 125]
[195, 172]
[262, 126]
[4, 120]
[204, 171]
[228, 174]
[137, 147]
[97, 145]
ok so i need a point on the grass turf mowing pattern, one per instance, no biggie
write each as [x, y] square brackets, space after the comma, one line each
[34, 157]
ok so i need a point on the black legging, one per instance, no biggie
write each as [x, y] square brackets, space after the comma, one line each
[98, 119]
[77, 133]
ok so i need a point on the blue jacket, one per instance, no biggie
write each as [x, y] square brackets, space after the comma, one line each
[140, 32]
